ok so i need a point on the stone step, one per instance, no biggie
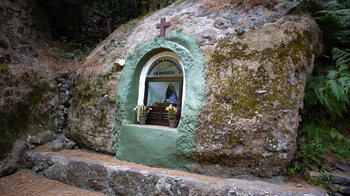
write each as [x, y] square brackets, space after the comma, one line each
[107, 175]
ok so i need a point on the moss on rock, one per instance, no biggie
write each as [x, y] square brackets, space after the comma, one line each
[240, 90]
[4, 68]
[28, 116]
[254, 88]
[90, 120]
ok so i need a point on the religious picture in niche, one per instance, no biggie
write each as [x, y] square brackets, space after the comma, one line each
[164, 85]
[163, 92]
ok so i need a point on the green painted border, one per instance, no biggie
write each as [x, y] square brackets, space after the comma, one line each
[193, 60]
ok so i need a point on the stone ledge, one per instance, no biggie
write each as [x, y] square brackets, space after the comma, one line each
[107, 175]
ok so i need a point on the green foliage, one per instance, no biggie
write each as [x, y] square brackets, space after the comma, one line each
[121, 10]
[334, 20]
[60, 53]
[69, 45]
[142, 110]
[315, 144]
[172, 112]
[332, 91]
[295, 167]
[333, 17]
[69, 49]
[323, 180]
[178, 1]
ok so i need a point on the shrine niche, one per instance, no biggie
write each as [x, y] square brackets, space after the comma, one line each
[158, 73]
[161, 84]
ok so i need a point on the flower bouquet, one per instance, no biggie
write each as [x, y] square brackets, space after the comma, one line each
[172, 115]
[142, 112]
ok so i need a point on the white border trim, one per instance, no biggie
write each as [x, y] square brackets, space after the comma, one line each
[144, 71]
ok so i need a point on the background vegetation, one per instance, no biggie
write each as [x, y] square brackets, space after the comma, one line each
[88, 22]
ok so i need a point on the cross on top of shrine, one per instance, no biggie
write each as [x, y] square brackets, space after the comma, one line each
[162, 26]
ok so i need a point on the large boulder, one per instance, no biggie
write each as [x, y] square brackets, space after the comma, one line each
[257, 64]
[255, 88]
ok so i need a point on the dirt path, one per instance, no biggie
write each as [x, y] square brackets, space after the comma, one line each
[25, 182]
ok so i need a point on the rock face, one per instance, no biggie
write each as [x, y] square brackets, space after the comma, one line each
[21, 26]
[28, 98]
[257, 66]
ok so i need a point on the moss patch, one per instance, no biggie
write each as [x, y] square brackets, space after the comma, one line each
[19, 119]
[4, 68]
[89, 91]
[248, 92]
[238, 94]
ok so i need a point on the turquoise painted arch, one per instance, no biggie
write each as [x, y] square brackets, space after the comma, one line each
[193, 61]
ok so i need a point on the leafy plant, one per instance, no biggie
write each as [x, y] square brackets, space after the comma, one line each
[323, 180]
[172, 112]
[142, 110]
[332, 91]
[314, 144]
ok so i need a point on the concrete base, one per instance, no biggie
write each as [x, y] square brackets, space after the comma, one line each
[148, 145]
[113, 177]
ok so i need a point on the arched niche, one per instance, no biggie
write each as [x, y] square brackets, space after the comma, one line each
[162, 82]
[159, 146]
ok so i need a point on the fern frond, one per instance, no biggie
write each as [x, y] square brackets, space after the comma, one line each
[332, 74]
[341, 57]
[330, 4]
[345, 74]
[343, 67]
[345, 83]
[334, 21]
[335, 134]
[342, 12]
[335, 88]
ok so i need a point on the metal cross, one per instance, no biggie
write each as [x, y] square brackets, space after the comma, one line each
[162, 26]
